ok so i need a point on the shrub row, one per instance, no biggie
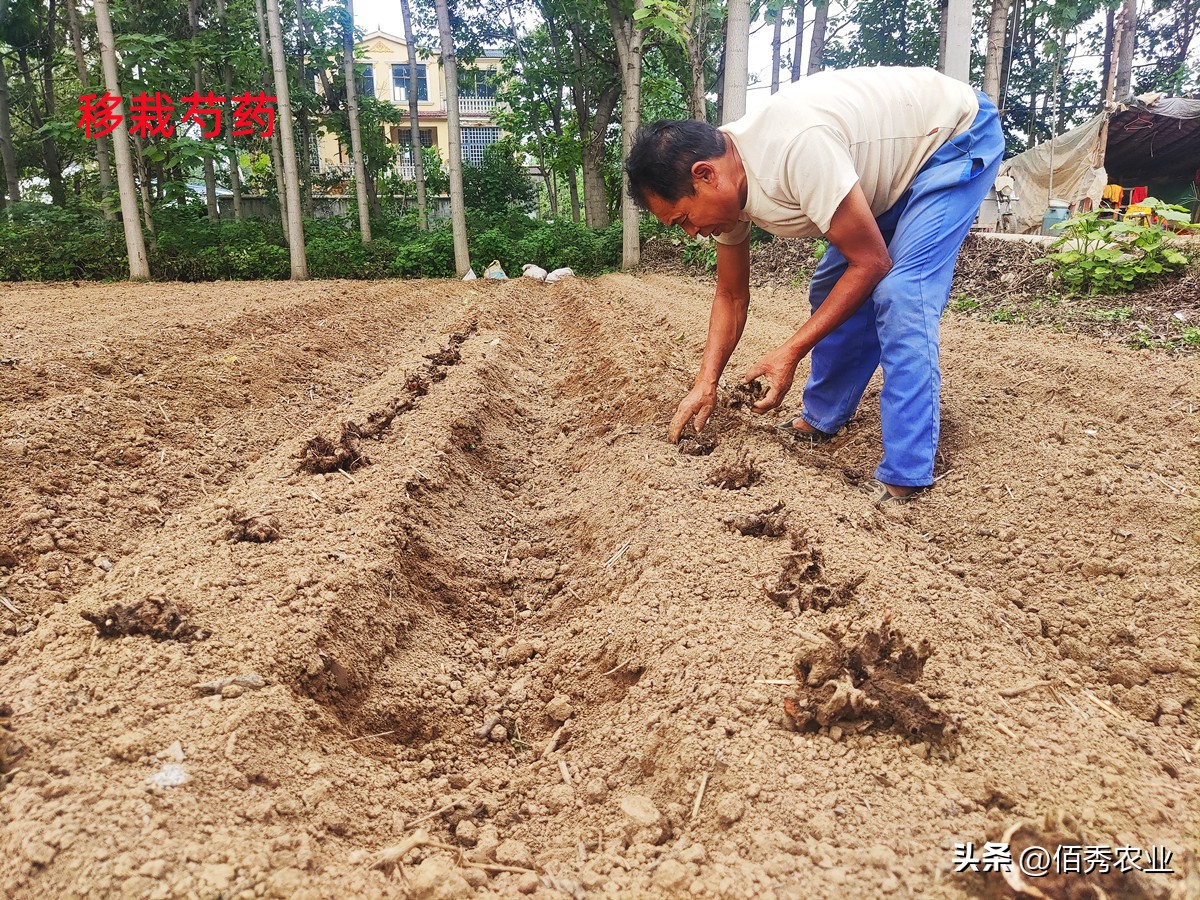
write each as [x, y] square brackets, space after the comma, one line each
[38, 243]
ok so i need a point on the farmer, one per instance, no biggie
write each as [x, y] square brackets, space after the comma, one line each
[890, 165]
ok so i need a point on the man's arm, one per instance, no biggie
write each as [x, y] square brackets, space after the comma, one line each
[854, 232]
[725, 324]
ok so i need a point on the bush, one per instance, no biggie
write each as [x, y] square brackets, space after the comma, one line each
[39, 243]
[1104, 256]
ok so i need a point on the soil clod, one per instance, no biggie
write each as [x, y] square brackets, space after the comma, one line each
[737, 475]
[769, 523]
[870, 677]
[11, 747]
[1056, 835]
[744, 396]
[154, 617]
[699, 444]
[259, 528]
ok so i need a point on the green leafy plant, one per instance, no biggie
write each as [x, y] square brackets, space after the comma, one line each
[1119, 314]
[1101, 256]
[964, 304]
[701, 254]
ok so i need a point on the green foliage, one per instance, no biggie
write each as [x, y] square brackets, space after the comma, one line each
[1102, 256]
[46, 243]
[500, 183]
[702, 254]
[964, 304]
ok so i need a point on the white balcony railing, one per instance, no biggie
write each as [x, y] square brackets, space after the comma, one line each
[476, 105]
[406, 171]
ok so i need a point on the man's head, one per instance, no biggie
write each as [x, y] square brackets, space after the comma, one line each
[689, 174]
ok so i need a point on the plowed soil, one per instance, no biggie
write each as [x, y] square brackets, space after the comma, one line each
[516, 641]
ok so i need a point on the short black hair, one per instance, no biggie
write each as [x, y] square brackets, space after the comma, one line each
[662, 157]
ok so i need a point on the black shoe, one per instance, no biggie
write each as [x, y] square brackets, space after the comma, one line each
[789, 430]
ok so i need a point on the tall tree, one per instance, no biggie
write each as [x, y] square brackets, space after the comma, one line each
[696, 48]
[414, 122]
[996, 30]
[798, 44]
[235, 170]
[210, 175]
[7, 154]
[737, 60]
[356, 144]
[1126, 49]
[103, 163]
[39, 36]
[291, 176]
[629, 38]
[268, 77]
[816, 45]
[776, 43]
[458, 215]
[139, 268]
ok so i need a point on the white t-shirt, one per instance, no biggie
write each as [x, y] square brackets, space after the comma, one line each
[816, 137]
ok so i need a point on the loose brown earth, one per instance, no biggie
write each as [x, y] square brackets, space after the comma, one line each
[519, 642]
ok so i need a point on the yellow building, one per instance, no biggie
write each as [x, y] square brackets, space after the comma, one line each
[383, 58]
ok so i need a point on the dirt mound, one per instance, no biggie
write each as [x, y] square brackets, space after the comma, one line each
[532, 646]
[1001, 281]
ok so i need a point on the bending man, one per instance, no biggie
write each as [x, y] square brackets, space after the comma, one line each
[890, 165]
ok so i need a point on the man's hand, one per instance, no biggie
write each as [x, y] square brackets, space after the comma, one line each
[697, 405]
[779, 369]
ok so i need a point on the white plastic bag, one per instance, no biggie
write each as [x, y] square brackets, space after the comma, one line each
[559, 275]
[470, 276]
[529, 270]
[495, 271]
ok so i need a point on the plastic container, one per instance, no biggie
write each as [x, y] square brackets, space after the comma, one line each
[1059, 211]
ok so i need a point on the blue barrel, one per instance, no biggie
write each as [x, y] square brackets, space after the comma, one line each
[1059, 211]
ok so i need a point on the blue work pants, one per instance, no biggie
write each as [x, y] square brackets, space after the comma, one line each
[897, 327]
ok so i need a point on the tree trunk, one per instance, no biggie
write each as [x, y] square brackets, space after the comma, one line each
[1106, 63]
[695, 34]
[360, 168]
[816, 44]
[210, 173]
[996, 32]
[414, 123]
[629, 39]
[58, 193]
[291, 176]
[276, 150]
[594, 134]
[776, 45]
[6, 142]
[737, 60]
[235, 170]
[458, 213]
[1124, 86]
[305, 164]
[143, 181]
[943, 32]
[573, 184]
[102, 161]
[135, 246]
[798, 45]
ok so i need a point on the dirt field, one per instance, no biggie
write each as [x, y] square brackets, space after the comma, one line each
[521, 643]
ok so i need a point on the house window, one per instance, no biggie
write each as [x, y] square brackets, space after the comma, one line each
[475, 140]
[476, 84]
[366, 80]
[403, 138]
[400, 83]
